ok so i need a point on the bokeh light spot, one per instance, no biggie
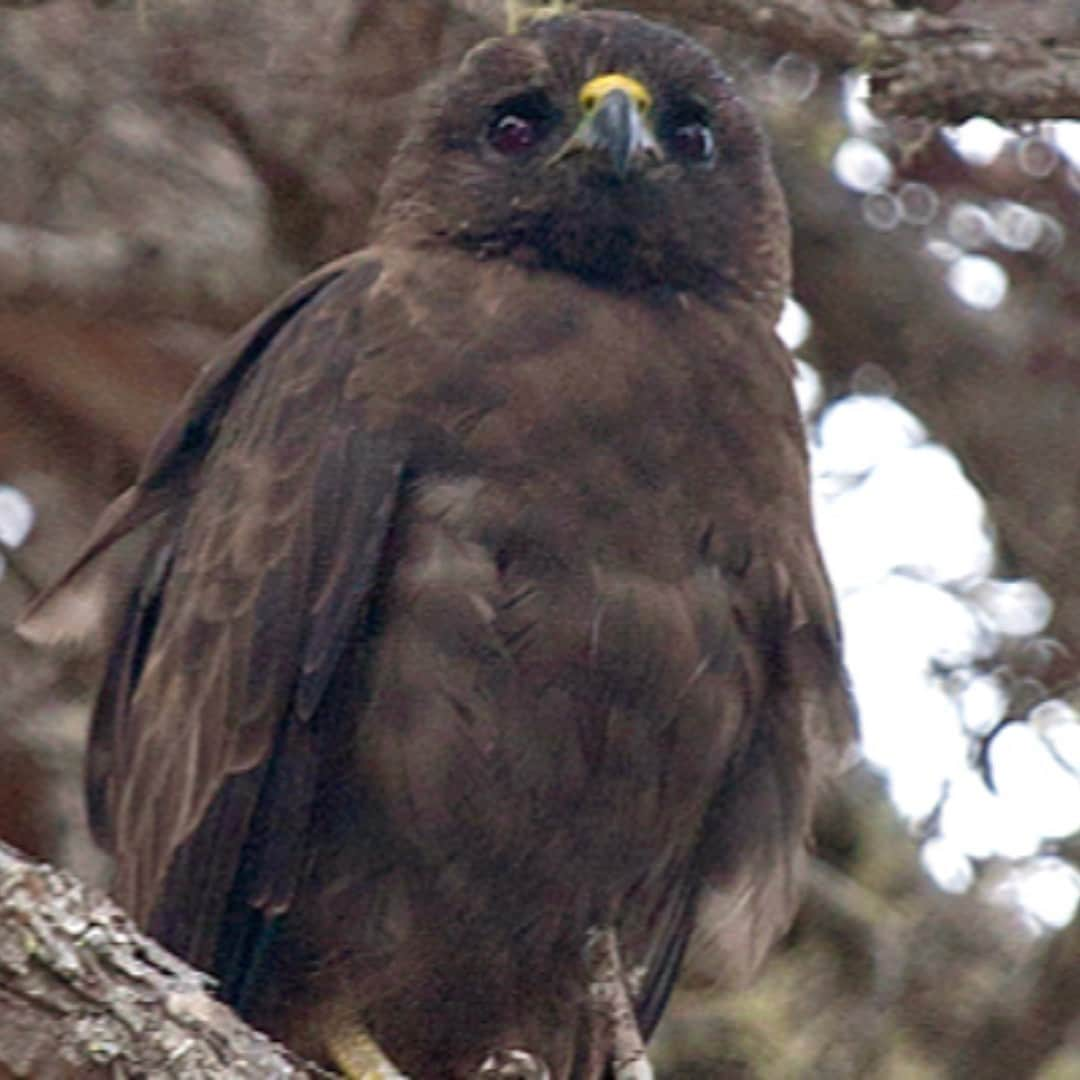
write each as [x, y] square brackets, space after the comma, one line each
[794, 77]
[793, 327]
[1036, 787]
[16, 516]
[918, 203]
[979, 140]
[970, 226]
[809, 391]
[1048, 889]
[860, 117]
[1016, 608]
[1066, 137]
[1037, 157]
[978, 281]
[881, 210]
[950, 868]
[1016, 227]
[860, 165]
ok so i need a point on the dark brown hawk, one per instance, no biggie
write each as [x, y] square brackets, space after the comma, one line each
[473, 666]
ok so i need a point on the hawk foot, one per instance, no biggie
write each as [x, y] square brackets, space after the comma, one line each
[357, 1056]
[611, 991]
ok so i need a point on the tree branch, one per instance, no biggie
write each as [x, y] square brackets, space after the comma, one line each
[920, 64]
[84, 994]
[108, 272]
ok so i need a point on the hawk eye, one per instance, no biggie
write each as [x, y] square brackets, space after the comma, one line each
[693, 141]
[512, 134]
[520, 123]
[687, 130]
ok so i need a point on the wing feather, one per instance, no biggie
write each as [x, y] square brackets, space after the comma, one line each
[756, 835]
[800, 719]
[85, 601]
[272, 502]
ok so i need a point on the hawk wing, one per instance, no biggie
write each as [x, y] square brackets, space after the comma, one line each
[756, 835]
[721, 921]
[254, 576]
[754, 840]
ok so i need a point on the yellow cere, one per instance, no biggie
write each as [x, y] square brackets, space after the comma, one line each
[592, 93]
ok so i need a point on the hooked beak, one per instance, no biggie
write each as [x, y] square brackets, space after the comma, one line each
[615, 125]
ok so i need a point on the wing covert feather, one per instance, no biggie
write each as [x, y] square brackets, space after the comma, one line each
[276, 500]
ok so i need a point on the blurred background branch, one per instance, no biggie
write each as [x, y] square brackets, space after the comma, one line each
[920, 63]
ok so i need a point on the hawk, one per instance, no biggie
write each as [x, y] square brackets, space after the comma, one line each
[472, 665]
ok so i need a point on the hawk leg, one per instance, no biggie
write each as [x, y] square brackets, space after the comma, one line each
[611, 992]
[357, 1057]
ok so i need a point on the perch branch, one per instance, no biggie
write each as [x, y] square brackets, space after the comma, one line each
[84, 994]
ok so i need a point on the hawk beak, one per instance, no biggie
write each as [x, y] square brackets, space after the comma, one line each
[614, 125]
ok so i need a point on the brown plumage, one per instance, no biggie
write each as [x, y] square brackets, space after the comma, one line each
[470, 602]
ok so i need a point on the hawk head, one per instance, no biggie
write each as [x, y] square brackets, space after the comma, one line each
[600, 145]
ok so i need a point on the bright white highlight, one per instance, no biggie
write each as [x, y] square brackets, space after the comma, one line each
[979, 140]
[1066, 137]
[1016, 226]
[978, 281]
[794, 326]
[808, 389]
[860, 117]
[907, 543]
[862, 166]
[1046, 889]
[1033, 784]
[16, 519]
[16, 516]
[947, 865]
